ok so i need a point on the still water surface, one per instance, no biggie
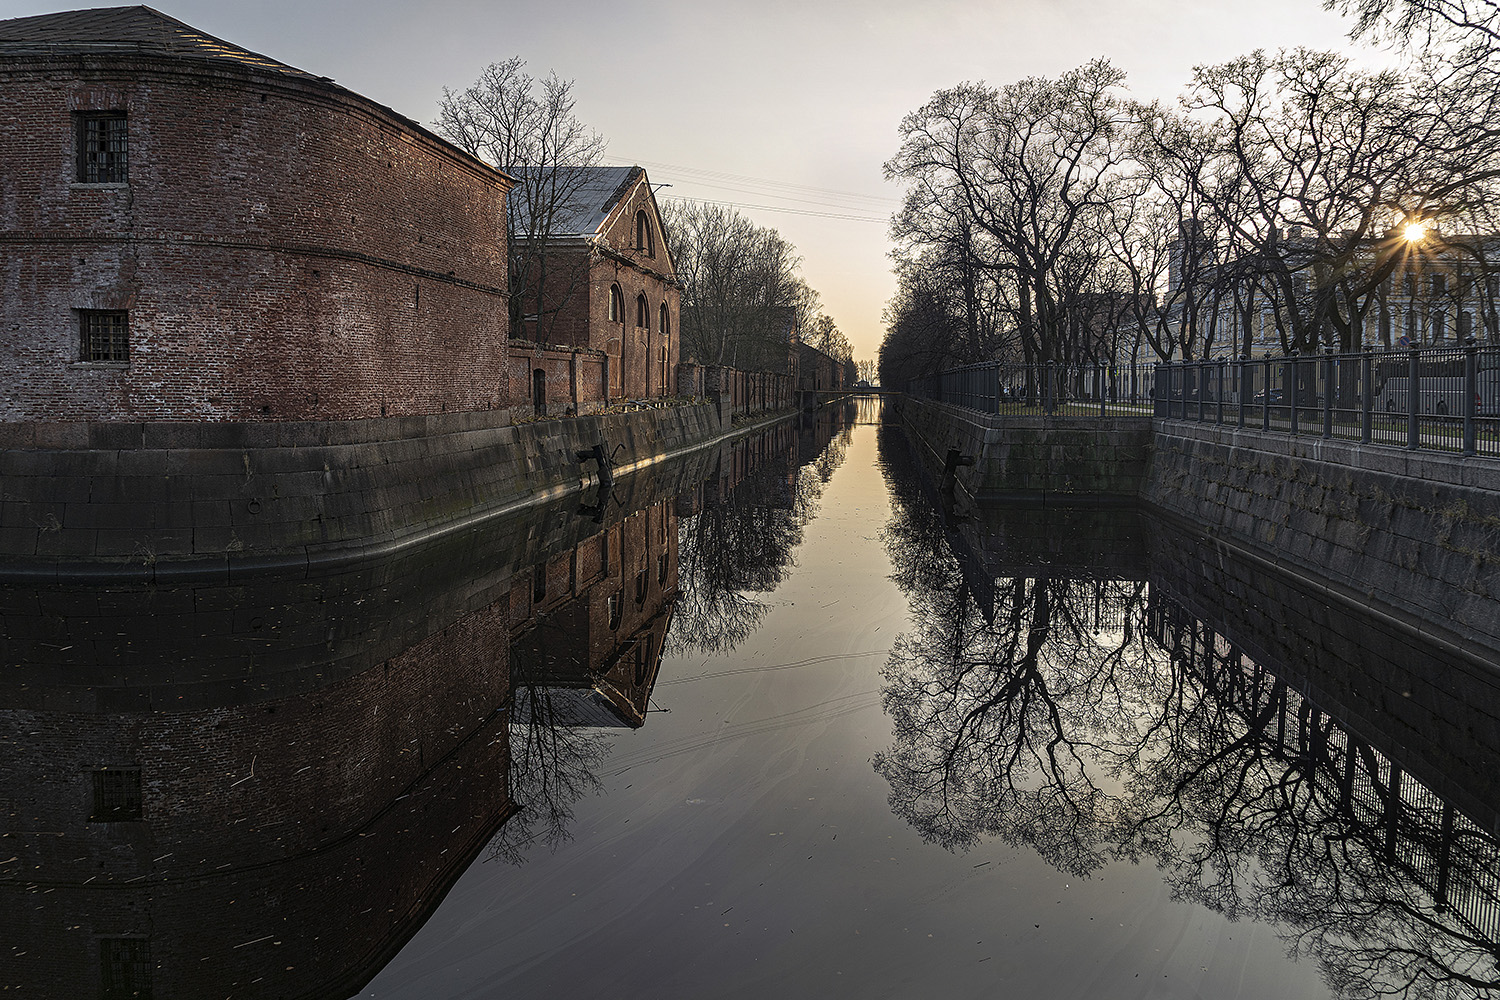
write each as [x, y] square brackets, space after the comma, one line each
[764, 723]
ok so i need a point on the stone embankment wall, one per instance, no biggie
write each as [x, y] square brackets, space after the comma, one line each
[1415, 533]
[1033, 459]
[206, 499]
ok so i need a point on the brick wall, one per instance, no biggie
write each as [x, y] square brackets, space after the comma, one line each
[285, 249]
[575, 380]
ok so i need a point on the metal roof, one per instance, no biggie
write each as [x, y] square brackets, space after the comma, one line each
[592, 193]
[126, 30]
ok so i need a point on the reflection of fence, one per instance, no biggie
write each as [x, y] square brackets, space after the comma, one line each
[1075, 390]
[1436, 398]
[1418, 834]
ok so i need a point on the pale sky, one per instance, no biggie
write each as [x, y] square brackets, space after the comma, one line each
[786, 108]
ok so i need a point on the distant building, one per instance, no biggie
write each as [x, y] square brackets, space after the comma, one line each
[1437, 291]
[195, 232]
[609, 281]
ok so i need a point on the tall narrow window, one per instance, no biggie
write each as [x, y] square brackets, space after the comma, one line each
[616, 304]
[665, 326]
[104, 334]
[645, 242]
[103, 149]
[642, 312]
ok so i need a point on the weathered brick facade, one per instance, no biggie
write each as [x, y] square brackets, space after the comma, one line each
[283, 249]
[583, 267]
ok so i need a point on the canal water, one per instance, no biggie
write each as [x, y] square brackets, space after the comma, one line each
[774, 720]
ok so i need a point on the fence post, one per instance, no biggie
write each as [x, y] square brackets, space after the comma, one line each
[1328, 394]
[1219, 391]
[1265, 401]
[1367, 389]
[1289, 393]
[1246, 384]
[1471, 389]
[1413, 401]
[1047, 388]
[1099, 386]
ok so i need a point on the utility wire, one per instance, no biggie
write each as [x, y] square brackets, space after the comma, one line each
[783, 190]
[789, 211]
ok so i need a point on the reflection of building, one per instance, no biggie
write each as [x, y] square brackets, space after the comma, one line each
[610, 284]
[593, 620]
[195, 232]
[264, 789]
[271, 845]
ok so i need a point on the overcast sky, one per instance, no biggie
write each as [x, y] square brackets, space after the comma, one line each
[787, 108]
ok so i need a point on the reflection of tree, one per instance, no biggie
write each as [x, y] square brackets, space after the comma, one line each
[999, 719]
[740, 546]
[1074, 721]
[553, 763]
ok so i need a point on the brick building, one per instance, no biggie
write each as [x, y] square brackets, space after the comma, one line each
[609, 283]
[193, 231]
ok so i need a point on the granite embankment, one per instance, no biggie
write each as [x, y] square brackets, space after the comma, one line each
[1413, 536]
[155, 500]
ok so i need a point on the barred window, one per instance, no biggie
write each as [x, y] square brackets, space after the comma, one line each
[117, 795]
[103, 149]
[105, 334]
[124, 967]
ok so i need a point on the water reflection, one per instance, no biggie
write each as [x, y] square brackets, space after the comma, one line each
[740, 528]
[1074, 703]
[264, 788]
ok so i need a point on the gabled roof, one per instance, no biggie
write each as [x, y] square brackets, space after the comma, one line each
[592, 194]
[127, 30]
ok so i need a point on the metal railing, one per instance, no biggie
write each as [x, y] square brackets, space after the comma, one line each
[1069, 390]
[1437, 398]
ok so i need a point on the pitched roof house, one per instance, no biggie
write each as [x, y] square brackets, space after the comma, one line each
[600, 275]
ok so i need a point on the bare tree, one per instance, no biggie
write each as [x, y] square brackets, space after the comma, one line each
[741, 293]
[1010, 179]
[526, 127]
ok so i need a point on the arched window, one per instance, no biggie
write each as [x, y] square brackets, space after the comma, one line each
[642, 312]
[616, 304]
[665, 326]
[645, 241]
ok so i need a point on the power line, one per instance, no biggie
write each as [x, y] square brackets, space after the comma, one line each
[766, 182]
[788, 211]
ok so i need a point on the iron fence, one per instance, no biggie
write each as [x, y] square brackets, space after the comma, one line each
[1077, 390]
[1436, 398]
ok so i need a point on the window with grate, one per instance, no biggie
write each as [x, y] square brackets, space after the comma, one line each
[124, 968]
[105, 334]
[103, 149]
[117, 795]
[614, 611]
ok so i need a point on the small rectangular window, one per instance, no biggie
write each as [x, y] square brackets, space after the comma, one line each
[117, 795]
[103, 149]
[124, 968]
[104, 334]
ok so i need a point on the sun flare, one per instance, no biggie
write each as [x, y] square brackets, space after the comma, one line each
[1414, 231]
